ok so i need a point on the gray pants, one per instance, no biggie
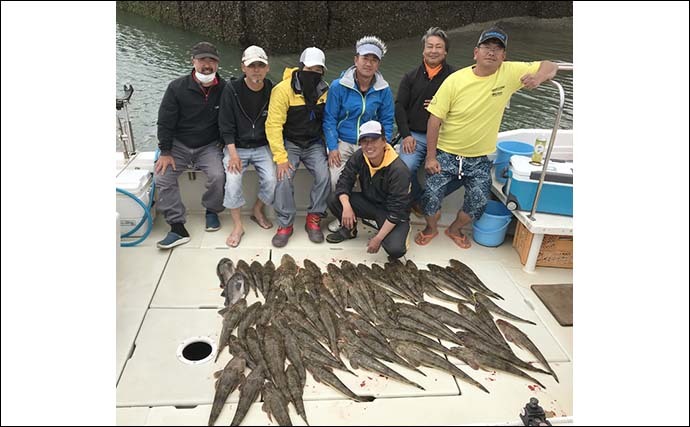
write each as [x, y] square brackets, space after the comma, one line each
[346, 151]
[209, 159]
[316, 162]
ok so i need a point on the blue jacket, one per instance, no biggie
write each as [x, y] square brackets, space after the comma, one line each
[347, 108]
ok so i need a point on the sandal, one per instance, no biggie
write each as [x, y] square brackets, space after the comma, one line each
[462, 240]
[423, 239]
[231, 243]
[265, 225]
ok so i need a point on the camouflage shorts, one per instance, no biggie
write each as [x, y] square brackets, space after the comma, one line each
[476, 178]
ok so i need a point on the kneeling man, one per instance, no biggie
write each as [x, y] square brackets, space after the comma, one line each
[385, 196]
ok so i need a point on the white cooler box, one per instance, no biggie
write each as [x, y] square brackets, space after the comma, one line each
[138, 182]
[556, 195]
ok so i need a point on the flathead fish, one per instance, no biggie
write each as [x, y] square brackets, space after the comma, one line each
[235, 289]
[492, 306]
[225, 269]
[521, 339]
[230, 377]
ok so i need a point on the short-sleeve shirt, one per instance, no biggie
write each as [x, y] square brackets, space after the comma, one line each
[471, 107]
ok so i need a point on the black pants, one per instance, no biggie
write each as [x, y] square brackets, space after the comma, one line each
[395, 243]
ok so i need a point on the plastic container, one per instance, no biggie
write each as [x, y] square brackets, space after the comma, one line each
[556, 194]
[539, 148]
[495, 216]
[492, 238]
[506, 149]
[137, 182]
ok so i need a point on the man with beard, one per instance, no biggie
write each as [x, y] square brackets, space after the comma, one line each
[294, 131]
[188, 137]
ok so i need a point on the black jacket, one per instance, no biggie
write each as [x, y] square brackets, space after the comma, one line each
[415, 87]
[189, 115]
[236, 127]
[388, 188]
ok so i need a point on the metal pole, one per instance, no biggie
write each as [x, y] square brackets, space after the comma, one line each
[122, 136]
[552, 140]
[129, 128]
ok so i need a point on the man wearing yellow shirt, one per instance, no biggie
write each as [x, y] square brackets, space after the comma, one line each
[470, 105]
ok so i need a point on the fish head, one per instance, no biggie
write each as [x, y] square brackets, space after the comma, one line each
[225, 269]
[235, 288]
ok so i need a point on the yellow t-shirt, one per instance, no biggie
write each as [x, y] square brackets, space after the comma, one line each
[471, 107]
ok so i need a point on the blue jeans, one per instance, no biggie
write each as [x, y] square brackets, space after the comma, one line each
[414, 161]
[316, 162]
[262, 159]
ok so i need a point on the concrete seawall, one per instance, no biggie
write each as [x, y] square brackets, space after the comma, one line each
[283, 26]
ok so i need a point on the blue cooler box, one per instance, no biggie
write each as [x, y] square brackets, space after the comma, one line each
[556, 193]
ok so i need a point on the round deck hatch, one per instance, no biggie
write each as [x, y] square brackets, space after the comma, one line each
[196, 350]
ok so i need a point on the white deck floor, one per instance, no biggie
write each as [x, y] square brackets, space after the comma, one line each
[165, 297]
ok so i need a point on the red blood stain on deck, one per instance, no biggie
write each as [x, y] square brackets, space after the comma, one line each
[534, 387]
[363, 384]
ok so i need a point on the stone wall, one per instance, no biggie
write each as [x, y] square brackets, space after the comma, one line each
[283, 26]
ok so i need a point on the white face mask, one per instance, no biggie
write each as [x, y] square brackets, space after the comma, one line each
[204, 78]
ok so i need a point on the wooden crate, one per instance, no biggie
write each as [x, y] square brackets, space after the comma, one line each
[556, 251]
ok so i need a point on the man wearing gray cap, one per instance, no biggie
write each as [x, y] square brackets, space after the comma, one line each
[188, 137]
[470, 105]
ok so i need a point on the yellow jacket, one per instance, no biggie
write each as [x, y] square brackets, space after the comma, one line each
[290, 119]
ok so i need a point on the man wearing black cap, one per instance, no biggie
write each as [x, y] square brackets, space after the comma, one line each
[188, 137]
[470, 105]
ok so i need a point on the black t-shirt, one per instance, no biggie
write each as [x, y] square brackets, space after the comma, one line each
[252, 101]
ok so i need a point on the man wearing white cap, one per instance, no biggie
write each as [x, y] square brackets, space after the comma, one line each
[294, 130]
[385, 182]
[242, 119]
[358, 96]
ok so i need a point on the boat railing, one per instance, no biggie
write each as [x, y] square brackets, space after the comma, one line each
[561, 66]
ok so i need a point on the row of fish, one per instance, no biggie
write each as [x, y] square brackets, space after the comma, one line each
[370, 315]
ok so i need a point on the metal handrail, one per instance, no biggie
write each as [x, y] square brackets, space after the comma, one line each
[552, 140]
[125, 124]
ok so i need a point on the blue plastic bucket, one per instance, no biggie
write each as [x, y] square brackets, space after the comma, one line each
[506, 149]
[490, 238]
[495, 216]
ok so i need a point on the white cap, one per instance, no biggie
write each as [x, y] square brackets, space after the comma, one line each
[312, 56]
[370, 129]
[254, 54]
[370, 49]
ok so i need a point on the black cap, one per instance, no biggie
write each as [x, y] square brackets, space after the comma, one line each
[494, 33]
[205, 50]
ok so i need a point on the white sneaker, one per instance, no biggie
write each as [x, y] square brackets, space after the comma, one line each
[334, 226]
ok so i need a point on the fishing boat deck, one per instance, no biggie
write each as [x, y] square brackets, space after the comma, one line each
[167, 297]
